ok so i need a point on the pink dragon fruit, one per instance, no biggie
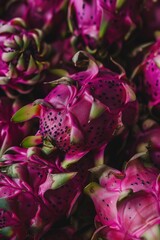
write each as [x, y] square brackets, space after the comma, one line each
[138, 218]
[127, 203]
[21, 211]
[10, 133]
[82, 113]
[148, 79]
[108, 21]
[24, 57]
[36, 182]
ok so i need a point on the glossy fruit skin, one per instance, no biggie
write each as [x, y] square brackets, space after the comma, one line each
[35, 181]
[121, 201]
[100, 21]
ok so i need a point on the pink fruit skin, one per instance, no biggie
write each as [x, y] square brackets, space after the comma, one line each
[148, 79]
[63, 120]
[127, 202]
[28, 184]
[97, 19]
[84, 115]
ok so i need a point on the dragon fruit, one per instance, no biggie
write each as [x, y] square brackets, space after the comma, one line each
[82, 113]
[147, 79]
[100, 21]
[33, 180]
[21, 212]
[24, 57]
[10, 133]
[127, 202]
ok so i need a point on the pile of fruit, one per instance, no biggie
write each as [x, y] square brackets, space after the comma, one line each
[79, 119]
